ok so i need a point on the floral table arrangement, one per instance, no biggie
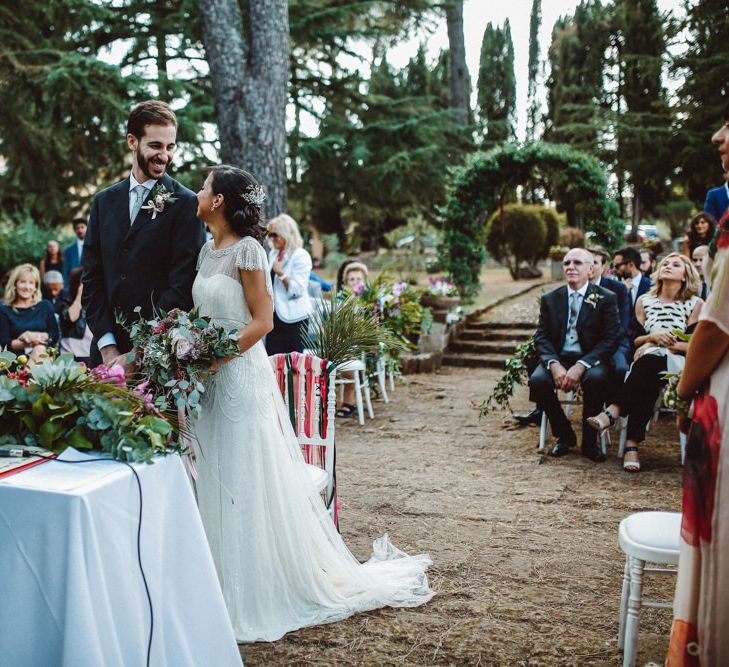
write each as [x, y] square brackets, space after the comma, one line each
[60, 403]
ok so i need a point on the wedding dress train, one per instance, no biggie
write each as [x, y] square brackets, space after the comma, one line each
[281, 562]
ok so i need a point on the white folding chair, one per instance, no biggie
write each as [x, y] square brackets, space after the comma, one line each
[381, 372]
[651, 537]
[308, 387]
[358, 368]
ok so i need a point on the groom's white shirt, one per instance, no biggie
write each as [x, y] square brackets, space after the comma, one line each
[109, 338]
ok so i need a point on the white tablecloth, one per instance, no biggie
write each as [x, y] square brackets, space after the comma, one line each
[71, 593]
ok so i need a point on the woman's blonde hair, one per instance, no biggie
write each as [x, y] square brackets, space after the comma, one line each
[10, 293]
[354, 266]
[691, 281]
[288, 230]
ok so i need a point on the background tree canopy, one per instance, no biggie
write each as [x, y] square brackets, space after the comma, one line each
[368, 147]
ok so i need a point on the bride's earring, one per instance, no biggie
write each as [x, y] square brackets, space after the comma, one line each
[213, 207]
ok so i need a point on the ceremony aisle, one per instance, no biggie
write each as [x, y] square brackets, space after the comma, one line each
[526, 561]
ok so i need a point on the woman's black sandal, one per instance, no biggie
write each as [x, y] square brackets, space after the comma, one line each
[347, 410]
[595, 423]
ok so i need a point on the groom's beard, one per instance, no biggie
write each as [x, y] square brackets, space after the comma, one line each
[144, 166]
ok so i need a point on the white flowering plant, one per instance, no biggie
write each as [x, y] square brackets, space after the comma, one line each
[441, 286]
[177, 353]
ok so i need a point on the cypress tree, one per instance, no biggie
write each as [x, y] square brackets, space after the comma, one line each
[497, 85]
[535, 23]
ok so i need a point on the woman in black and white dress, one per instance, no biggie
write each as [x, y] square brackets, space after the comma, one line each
[672, 305]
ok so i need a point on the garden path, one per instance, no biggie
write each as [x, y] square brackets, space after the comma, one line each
[526, 561]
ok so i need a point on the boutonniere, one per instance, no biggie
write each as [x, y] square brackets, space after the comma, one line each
[593, 298]
[160, 197]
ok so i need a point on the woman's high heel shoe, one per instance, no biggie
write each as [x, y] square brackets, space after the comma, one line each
[631, 466]
[598, 425]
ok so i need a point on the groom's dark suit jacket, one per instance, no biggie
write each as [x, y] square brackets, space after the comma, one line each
[598, 325]
[150, 264]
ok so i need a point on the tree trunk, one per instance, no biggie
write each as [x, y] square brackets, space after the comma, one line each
[458, 73]
[249, 70]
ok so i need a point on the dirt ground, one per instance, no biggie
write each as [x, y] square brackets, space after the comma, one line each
[526, 563]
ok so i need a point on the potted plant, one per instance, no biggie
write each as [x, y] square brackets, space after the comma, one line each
[556, 254]
[441, 296]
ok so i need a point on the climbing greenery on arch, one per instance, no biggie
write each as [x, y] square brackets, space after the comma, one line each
[486, 182]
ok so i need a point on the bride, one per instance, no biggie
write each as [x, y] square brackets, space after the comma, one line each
[281, 562]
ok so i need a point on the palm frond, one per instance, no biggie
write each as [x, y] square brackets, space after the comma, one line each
[341, 330]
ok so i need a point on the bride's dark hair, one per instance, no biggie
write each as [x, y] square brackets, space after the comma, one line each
[243, 214]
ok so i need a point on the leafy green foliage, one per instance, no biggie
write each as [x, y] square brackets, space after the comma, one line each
[22, 240]
[516, 373]
[60, 403]
[477, 189]
[343, 329]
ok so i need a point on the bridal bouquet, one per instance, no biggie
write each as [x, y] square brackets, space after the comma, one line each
[177, 350]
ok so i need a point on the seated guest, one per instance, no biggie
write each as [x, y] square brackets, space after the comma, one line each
[75, 333]
[27, 323]
[671, 305]
[53, 290]
[647, 262]
[578, 333]
[352, 276]
[697, 258]
[700, 232]
[627, 266]
[623, 354]
[52, 260]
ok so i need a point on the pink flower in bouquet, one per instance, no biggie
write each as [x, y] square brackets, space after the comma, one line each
[113, 375]
[397, 288]
[358, 288]
[147, 396]
[183, 347]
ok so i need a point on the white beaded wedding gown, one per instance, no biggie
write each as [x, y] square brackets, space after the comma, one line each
[281, 562]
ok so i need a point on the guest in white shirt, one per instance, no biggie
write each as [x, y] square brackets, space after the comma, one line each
[290, 270]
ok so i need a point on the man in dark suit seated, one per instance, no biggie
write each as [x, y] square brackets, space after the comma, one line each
[623, 353]
[578, 332]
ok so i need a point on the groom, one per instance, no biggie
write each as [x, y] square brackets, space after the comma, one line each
[143, 238]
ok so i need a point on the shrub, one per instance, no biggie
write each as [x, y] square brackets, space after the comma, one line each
[519, 237]
[572, 237]
[553, 223]
[24, 241]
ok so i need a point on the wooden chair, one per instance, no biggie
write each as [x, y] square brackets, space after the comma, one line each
[307, 384]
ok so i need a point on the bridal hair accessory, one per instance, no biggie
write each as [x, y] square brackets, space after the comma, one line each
[255, 195]
[159, 199]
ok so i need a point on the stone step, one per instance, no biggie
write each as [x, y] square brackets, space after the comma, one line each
[515, 337]
[483, 324]
[475, 360]
[484, 347]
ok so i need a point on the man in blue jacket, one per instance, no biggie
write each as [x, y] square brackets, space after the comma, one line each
[717, 200]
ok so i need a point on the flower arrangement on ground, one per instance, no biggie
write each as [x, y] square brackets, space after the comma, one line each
[177, 351]
[60, 403]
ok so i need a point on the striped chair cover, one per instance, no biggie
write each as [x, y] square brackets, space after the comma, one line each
[304, 381]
